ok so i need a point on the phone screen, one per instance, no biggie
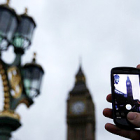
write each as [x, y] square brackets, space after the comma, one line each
[126, 93]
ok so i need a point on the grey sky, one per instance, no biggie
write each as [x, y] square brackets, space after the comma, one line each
[104, 33]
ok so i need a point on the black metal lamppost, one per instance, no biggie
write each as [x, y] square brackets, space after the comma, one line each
[20, 83]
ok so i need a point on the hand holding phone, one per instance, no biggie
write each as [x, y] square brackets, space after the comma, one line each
[125, 86]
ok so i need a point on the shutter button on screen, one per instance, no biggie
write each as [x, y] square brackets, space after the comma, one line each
[128, 107]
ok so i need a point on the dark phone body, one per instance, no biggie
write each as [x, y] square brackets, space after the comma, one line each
[125, 86]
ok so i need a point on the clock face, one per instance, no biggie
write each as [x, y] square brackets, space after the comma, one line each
[128, 83]
[78, 107]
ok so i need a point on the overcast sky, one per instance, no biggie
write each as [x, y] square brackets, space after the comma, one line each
[103, 33]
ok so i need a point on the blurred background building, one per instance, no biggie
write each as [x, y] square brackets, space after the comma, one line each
[80, 111]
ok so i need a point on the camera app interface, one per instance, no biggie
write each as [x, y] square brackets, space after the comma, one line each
[127, 94]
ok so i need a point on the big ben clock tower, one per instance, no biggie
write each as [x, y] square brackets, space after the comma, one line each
[80, 111]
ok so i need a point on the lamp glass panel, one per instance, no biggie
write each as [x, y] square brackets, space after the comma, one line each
[3, 43]
[4, 27]
[4, 22]
[20, 41]
[24, 27]
[32, 81]
[31, 89]
[22, 36]
[8, 25]
[32, 93]
[0, 38]
[12, 28]
[27, 84]
[31, 31]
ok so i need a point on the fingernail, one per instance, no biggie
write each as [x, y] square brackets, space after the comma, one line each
[131, 116]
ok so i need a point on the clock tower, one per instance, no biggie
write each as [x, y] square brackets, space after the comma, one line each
[80, 111]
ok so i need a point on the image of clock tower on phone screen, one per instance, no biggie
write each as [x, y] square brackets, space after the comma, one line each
[127, 92]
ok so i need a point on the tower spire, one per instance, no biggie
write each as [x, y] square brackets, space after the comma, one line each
[80, 60]
[80, 77]
[80, 82]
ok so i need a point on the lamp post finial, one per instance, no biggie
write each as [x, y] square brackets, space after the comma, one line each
[34, 57]
[26, 10]
[8, 1]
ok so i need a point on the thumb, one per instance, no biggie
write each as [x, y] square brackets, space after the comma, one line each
[134, 118]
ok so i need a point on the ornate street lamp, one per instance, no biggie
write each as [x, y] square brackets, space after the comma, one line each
[20, 83]
[32, 73]
[23, 35]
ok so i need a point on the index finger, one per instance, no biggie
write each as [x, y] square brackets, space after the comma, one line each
[109, 98]
[138, 66]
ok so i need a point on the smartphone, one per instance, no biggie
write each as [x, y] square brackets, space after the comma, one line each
[125, 87]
